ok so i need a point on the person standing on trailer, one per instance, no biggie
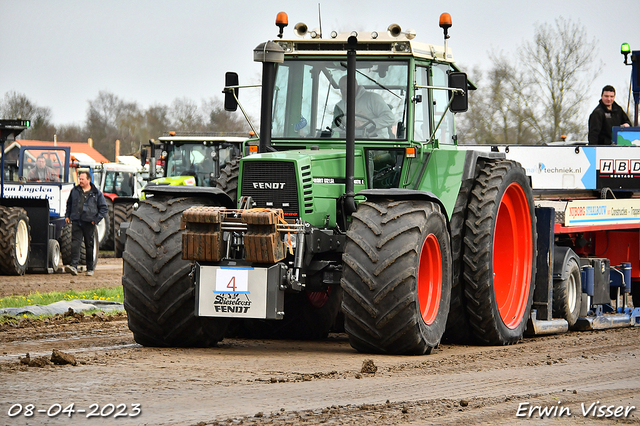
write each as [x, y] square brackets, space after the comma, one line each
[608, 114]
[86, 207]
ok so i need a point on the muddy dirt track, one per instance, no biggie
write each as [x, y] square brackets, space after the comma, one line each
[259, 382]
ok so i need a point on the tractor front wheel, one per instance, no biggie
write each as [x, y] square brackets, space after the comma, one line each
[396, 277]
[159, 295]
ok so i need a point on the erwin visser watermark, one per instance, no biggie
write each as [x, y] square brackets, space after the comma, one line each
[591, 409]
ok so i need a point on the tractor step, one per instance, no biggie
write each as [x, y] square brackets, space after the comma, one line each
[606, 321]
[538, 327]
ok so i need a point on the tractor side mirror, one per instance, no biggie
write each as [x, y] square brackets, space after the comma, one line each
[460, 101]
[230, 88]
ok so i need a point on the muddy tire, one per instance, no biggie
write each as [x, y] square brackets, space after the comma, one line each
[159, 296]
[567, 294]
[228, 179]
[54, 255]
[65, 244]
[106, 239]
[307, 316]
[121, 213]
[15, 240]
[396, 277]
[499, 253]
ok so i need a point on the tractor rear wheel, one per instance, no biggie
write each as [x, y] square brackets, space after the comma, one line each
[396, 277]
[499, 253]
[567, 294]
[228, 179]
[121, 213]
[159, 295]
[15, 240]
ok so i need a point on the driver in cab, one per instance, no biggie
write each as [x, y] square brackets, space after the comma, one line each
[41, 172]
[374, 118]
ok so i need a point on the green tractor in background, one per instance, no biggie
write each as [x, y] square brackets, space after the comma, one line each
[189, 161]
[204, 159]
[384, 226]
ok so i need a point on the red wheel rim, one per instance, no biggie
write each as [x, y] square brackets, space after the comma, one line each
[512, 256]
[430, 279]
[318, 299]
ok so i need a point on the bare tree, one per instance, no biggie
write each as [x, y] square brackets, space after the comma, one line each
[17, 106]
[109, 118]
[185, 115]
[72, 133]
[539, 95]
[560, 66]
[219, 120]
[496, 113]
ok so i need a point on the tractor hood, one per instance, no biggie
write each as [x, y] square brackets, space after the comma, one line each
[306, 184]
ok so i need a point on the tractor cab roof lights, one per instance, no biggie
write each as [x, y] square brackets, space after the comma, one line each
[301, 30]
[394, 40]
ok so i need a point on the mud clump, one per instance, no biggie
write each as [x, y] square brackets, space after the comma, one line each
[57, 358]
[368, 367]
[61, 358]
[39, 362]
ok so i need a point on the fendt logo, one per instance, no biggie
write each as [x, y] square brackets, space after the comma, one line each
[620, 166]
[269, 185]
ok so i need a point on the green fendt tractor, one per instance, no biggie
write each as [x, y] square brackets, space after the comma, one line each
[359, 211]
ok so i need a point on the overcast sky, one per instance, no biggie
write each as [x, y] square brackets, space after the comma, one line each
[61, 53]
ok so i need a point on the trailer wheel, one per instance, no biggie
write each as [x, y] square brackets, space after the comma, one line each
[159, 295]
[396, 277]
[121, 213]
[54, 255]
[15, 240]
[567, 293]
[228, 179]
[499, 253]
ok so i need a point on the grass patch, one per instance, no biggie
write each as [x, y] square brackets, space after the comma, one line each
[111, 294]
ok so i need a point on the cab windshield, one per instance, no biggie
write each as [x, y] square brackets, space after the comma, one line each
[308, 99]
[198, 160]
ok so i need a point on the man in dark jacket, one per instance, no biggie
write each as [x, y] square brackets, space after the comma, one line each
[607, 115]
[86, 207]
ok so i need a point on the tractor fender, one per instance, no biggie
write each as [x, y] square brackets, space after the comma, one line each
[404, 194]
[192, 191]
[470, 171]
[561, 256]
[129, 200]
